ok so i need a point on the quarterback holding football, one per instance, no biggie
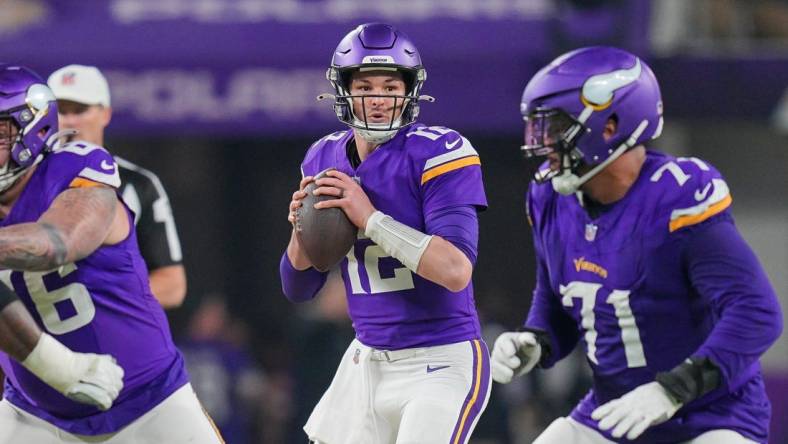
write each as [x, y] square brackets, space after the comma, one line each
[417, 371]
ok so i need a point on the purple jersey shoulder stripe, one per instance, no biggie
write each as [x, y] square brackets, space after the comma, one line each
[449, 166]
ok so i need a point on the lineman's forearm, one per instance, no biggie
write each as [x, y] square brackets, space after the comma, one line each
[32, 246]
[19, 333]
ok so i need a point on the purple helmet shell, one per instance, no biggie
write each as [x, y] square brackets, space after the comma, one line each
[590, 86]
[26, 99]
[367, 47]
[376, 44]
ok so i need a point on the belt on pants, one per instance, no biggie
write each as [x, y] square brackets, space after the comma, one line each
[395, 355]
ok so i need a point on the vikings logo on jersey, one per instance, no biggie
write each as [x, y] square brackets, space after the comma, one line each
[420, 170]
[605, 280]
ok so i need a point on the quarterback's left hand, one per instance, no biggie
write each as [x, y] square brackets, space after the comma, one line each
[636, 411]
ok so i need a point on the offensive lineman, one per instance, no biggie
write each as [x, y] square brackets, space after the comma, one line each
[69, 240]
[639, 259]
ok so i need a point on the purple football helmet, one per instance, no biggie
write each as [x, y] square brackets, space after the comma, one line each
[567, 104]
[27, 103]
[371, 47]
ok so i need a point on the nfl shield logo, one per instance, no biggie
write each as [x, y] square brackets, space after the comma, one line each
[591, 232]
[68, 78]
[355, 356]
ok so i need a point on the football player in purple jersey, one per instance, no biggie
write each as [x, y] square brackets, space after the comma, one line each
[639, 259]
[418, 371]
[70, 253]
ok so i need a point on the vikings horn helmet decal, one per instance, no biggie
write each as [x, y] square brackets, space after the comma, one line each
[598, 90]
[567, 104]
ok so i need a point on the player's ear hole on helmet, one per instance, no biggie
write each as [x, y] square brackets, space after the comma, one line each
[43, 132]
[611, 127]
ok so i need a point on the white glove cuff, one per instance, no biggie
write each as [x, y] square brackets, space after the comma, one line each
[52, 362]
[402, 242]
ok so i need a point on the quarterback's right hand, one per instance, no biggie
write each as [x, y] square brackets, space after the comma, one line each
[100, 383]
[295, 202]
[514, 354]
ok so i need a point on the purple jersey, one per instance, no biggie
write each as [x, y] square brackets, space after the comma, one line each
[99, 304]
[623, 285]
[420, 171]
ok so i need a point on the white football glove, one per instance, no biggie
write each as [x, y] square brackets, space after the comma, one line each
[83, 377]
[645, 406]
[514, 354]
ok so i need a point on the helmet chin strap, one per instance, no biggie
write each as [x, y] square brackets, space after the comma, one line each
[56, 140]
[377, 133]
[568, 183]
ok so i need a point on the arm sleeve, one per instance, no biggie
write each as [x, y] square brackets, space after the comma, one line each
[300, 286]
[458, 225]
[546, 315]
[725, 271]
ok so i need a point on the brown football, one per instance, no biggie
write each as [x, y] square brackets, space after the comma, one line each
[326, 234]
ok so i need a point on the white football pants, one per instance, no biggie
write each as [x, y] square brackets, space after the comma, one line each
[179, 419]
[567, 430]
[429, 395]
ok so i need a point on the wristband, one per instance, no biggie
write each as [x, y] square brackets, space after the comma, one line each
[52, 362]
[402, 242]
[543, 338]
[691, 379]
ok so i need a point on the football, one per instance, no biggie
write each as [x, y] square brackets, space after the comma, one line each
[326, 234]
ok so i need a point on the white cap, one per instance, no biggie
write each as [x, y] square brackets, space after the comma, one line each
[81, 84]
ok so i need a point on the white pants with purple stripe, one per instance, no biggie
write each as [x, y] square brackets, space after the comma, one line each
[179, 419]
[426, 395]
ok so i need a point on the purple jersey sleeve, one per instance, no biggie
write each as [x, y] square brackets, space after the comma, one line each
[458, 225]
[87, 164]
[297, 285]
[724, 270]
[325, 152]
[449, 169]
[546, 311]
[693, 191]
[301, 286]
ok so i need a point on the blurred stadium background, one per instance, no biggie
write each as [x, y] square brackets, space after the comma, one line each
[218, 98]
